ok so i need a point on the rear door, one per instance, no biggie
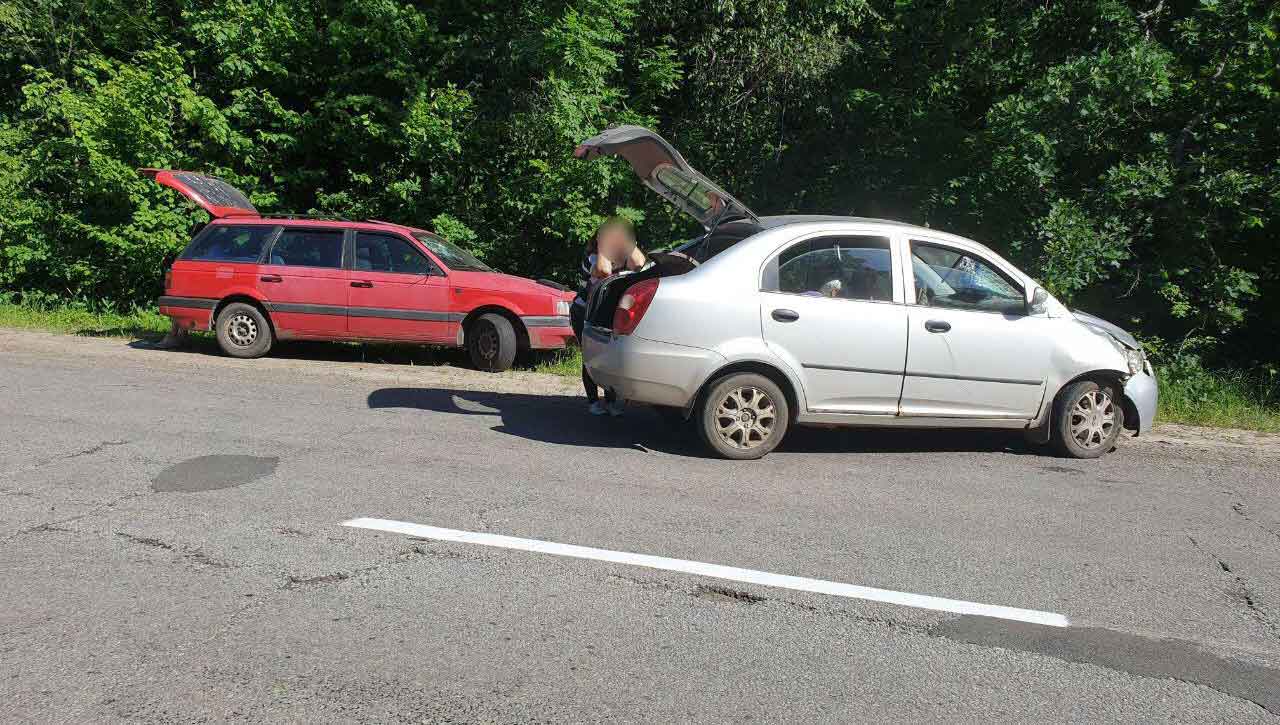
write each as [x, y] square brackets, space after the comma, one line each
[833, 304]
[214, 195]
[304, 282]
[397, 292]
[665, 171]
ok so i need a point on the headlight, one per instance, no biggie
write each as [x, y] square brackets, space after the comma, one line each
[1137, 361]
[562, 307]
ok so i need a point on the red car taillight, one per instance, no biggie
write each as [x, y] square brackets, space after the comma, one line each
[635, 301]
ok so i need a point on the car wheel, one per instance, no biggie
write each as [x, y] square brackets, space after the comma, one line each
[243, 331]
[1087, 420]
[491, 343]
[743, 416]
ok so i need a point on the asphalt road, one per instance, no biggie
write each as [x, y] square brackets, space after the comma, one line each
[172, 551]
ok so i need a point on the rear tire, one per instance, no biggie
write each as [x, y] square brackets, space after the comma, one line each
[1087, 420]
[243, 331]
[743, 416]
[492, 343]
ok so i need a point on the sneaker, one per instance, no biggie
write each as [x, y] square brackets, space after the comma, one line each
[597, 408]
[616, 408]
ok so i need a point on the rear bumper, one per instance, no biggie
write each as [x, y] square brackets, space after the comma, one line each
[188, 313]
[1142, 391]
[647, 371]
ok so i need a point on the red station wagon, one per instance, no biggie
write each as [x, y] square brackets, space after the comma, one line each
[253, 280]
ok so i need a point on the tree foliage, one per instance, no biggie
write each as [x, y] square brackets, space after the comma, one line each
[1127, 153]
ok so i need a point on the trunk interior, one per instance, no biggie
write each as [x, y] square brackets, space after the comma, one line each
[604, 299]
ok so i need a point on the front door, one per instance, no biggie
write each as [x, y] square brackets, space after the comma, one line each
[304, 284]
[974, 351]
[396, 292]
[833, 305]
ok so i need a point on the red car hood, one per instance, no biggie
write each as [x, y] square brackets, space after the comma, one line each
[499, 282]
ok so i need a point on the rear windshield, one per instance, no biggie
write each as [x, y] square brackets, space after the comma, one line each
[720, 239]
[227, 243]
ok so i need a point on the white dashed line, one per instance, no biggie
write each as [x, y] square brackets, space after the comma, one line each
[731, 573]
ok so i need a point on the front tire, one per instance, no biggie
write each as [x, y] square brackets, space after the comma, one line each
[492, 343]
[1087, 420]
[743, 416]
[243, 331]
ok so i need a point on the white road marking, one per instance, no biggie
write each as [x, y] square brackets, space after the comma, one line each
[731, 573]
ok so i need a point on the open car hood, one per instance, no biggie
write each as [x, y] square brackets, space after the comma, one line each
[215, 195]
[664, 170]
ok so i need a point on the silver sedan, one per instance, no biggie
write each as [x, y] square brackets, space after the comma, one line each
[767, 322]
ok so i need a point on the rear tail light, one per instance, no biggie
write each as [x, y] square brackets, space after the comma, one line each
[634, 303]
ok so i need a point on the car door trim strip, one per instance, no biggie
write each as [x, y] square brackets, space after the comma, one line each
[198, 303]
[400, 314]
[973, 378]
[843, 369]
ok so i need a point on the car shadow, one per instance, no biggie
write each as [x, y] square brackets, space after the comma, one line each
[564, 421]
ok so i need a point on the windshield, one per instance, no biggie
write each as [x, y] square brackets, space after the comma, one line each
[453, 256]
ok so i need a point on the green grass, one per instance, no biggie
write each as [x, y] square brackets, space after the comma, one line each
[566, 362]
[138, 323]
[1193, 395]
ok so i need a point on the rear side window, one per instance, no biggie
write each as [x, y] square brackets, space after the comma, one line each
[226, 243]
[851, 268]
[308, 248]
[386, 253]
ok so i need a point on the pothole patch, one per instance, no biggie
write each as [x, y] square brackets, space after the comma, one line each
[210, 473]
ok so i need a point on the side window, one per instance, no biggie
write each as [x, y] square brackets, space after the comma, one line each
[308, 248]
[386, 253]
[224, 243]
[851, 268]
[950, 278]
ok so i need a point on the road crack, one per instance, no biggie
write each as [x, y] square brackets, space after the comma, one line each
[1240, 590]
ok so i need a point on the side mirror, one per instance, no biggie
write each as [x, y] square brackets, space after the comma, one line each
[1035, 305]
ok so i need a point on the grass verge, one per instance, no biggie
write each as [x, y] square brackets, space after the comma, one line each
[1189, 394]
[140, 322]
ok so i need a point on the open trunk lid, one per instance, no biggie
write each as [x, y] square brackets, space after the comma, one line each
[664, 170]
[216, 196]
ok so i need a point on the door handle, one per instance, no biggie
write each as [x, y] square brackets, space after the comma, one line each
[361, 284]
[937, 326]
[271, 278]
[784, 315]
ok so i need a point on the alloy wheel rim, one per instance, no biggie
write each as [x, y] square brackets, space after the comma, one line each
[745, 417]
[1093, 419]
[242, 330]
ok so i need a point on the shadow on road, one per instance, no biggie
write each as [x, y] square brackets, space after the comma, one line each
[564, 421]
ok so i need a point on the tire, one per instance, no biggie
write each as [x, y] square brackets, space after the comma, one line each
[736, 394]
[492, 343]
[243, 331]
[1087, 420]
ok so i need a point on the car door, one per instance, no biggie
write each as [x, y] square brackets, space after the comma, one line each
[304, 283]
[833, 304]
[397, 292]
[973, 350]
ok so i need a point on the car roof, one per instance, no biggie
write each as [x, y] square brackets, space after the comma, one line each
[783, 220]
[307, 221]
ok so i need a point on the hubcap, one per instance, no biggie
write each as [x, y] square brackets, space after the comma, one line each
[242, 330]
[1093, 418]
[745, 417]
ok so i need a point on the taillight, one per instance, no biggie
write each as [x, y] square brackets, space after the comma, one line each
[635, 301]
